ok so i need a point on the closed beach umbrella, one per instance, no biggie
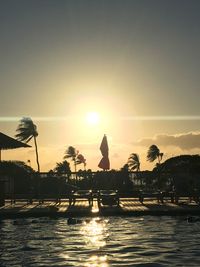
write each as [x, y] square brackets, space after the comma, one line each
[7, 142]
[104, 163]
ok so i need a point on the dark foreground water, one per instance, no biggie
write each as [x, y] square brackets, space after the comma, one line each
[112, 241]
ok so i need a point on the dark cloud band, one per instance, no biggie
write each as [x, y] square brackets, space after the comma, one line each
[185, 141]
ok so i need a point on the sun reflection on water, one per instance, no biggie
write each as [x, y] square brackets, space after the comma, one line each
[95, 234]
[97, 261]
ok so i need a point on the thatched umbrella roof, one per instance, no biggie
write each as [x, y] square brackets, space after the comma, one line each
[7, 142]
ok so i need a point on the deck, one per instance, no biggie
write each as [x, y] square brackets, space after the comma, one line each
[127, 207]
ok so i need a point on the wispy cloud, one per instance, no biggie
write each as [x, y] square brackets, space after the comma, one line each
[41, 119]
[161, 118]
[185, 141]
[123, 118]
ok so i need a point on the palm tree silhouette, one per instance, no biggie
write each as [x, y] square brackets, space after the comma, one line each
[134, 162]
[27, 130]
[72, 153]
[62, 167]
[80, 159]
[154, 153]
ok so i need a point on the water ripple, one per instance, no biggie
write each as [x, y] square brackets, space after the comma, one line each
[115, 241]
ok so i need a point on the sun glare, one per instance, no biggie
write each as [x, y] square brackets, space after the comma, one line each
[92, 118]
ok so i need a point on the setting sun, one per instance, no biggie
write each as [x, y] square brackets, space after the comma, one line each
[92, 118]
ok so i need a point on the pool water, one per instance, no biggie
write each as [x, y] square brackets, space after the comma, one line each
[100, 242]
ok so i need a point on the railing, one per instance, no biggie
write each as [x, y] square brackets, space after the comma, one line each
[105, 197]
[43, 183]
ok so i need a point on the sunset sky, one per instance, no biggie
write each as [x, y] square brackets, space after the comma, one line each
[134, 62]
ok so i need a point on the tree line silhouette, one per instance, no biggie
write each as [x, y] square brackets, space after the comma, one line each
[181, 172]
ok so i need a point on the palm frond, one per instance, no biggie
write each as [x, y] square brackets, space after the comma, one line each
[134, 162]
[153, 153]
[133, 165]
[66, 156]
[26, 130]
[70, 153]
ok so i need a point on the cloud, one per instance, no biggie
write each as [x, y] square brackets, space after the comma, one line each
[184, 141]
